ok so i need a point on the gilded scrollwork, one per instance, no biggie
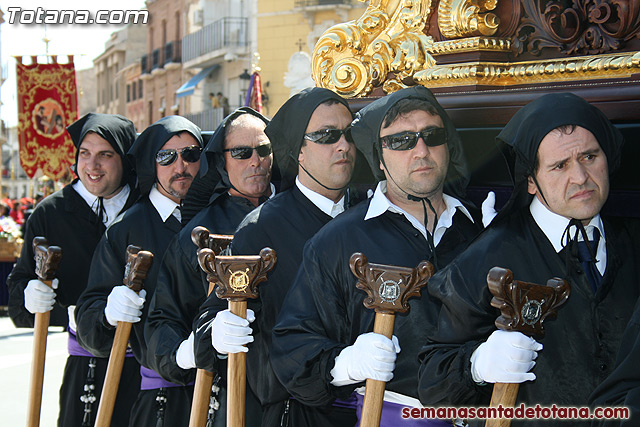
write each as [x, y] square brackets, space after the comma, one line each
[466, 18]
[391, 45]
[504, 74]
[583, 27]
[354, 57]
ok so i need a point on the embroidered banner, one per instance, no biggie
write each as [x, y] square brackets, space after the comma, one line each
[47, 104]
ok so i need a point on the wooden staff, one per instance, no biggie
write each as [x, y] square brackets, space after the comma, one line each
[388, 287]
[47, 259]
[135, 272]
[237, 278]
[204, 379]
[524, 307]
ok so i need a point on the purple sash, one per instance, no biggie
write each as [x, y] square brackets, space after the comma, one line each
[392, 416]
[75, 349]
[152, 381]
[350, 403]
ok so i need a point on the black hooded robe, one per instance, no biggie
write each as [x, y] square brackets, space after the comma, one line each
[66, 220]
[141, 226]
[323, 311]
[182, 285]
[622, 387]
[284, 224]
[580, 346]
[292, 216]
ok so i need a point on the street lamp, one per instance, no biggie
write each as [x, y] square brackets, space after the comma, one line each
[245, 77]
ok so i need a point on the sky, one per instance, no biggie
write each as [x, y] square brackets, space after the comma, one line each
[85, 42]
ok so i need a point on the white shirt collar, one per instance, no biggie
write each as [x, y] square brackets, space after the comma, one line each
[112, 206]
[325, 204]
[164, 205]
[554, 225]
[380, 204]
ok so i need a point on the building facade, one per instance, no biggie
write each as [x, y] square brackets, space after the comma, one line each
[122, 49]
[161, 64]
[285, 30]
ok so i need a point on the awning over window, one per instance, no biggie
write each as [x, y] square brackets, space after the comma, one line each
[189, 87]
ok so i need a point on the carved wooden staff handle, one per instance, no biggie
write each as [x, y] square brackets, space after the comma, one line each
[201, 392]
[204, 379]
[47, 259]
[237, 376]
[389, 288]
[237, 278]
[524, 307]
[138, 265]
[374, 390]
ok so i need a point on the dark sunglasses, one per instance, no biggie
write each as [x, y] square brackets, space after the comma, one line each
[328, 136]
[189, 154]
[432, 137]
[243, 153]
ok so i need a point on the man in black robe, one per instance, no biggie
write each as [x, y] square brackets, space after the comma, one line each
[167, 159]
[323, 329]
[565, 150]
[622, 387]
[316, 158]
[75, 219]
[233, 180]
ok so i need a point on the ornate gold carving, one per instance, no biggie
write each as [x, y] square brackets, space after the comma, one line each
[353, 57]
[464, 18]
[527, 72]
[471, 44]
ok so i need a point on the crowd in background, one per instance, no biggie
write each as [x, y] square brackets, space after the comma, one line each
[14, 214]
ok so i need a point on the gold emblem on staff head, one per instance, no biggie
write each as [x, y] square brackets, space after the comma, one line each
[239, 280]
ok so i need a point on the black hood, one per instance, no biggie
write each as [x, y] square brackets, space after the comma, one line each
[116, 129]
[365, 131]
[143, 152]
[213, 179]
[288, 126]
[534, 121]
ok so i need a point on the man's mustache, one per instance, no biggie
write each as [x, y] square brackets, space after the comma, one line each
[180, 175]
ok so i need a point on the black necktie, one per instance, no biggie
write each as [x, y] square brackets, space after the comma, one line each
[173, 222]
[588, 260]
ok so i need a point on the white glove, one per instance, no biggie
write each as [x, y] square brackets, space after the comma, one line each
[38, 297]
[506, 357]
[185, 356]
[124, 305]
[371, 356]
[230, 333]
[489, 208]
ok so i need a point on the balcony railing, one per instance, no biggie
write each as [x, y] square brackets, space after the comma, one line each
[155, 59]
[144, 64]
[224, 33]
[309, 3]
[173, 52]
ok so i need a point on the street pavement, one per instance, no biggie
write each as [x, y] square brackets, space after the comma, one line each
[16, 345]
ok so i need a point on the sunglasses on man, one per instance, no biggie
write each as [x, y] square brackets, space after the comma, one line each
[432, 137]
[189, 154]
[243, 153]
[328, 136]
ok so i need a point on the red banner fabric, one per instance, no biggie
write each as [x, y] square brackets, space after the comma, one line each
[47, 104]
[256, 93]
